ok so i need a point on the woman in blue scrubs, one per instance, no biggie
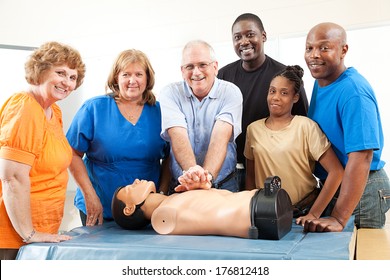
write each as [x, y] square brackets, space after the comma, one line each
[116, 138]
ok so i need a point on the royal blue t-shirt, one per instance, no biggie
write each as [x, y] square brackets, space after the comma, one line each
[347, 111]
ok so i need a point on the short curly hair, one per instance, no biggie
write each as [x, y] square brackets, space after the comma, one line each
[52, 54]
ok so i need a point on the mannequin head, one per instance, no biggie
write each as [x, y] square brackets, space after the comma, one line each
[127, 202]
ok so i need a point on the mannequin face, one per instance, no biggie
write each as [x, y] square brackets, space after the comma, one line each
[134, 194]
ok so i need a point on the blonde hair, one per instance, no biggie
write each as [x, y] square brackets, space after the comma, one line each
[123, 60]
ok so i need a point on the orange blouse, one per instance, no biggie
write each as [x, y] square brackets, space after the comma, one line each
[26, 136]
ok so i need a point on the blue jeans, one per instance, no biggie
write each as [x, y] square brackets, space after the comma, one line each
[375, 202]
[231, 185]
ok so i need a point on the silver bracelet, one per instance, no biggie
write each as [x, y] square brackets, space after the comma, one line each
[27, 239]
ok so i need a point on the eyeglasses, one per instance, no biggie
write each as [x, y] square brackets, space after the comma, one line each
[202, 66]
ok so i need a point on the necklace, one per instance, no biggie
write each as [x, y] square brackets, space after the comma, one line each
[134, 114]
[130, 110]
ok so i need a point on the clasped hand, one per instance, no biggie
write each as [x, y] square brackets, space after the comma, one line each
[194, 178]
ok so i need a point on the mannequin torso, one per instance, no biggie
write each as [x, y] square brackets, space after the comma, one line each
[204, 212]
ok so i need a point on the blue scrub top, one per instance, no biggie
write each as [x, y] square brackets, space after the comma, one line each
[116, 151]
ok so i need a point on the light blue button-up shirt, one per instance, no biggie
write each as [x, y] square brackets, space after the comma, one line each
[180, 107]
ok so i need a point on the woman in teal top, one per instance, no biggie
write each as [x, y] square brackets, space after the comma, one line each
[116, 138]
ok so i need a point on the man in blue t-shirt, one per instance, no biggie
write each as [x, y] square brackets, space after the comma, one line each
[345, 107]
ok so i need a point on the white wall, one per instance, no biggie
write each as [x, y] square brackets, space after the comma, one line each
[102, 28]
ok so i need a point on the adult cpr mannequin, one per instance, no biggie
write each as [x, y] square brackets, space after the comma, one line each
[195, 212]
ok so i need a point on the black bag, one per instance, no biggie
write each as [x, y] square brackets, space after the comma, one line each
[271, 211]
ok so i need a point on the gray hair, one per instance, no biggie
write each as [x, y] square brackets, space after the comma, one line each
[196, 43]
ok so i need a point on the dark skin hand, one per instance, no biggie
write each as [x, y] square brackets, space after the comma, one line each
[323, 225]
[351, 190]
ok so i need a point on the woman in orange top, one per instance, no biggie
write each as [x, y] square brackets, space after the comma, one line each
[34, 153]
